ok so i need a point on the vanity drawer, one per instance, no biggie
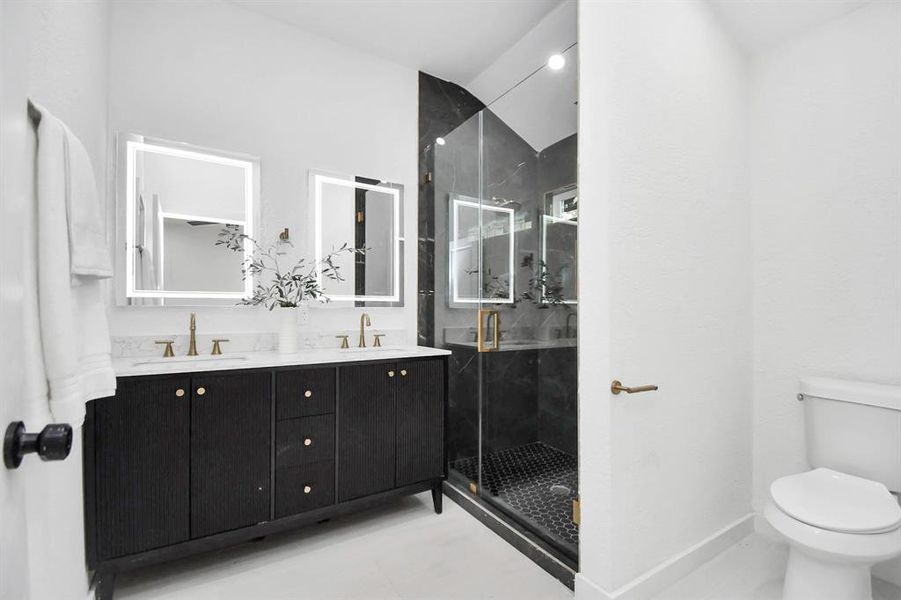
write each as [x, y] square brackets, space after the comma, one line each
[303, 488]
[304, 441]
[304, 392]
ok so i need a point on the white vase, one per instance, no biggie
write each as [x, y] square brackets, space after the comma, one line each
[287, 329]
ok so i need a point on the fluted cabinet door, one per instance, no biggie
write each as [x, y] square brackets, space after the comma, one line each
[420, 421]
[230, 451]
[366, 427]
[142, 466]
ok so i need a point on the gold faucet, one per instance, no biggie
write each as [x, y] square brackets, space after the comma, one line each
[192, 346]
[364, 322]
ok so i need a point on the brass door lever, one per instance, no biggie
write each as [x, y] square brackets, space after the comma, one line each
[616, 387]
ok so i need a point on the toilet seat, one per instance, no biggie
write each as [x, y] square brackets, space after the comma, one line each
[837, 502]
[834, 545]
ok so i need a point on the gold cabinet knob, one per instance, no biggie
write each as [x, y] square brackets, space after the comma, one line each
[307, 489]
[307, 441]
[201, 391]
[403, 372]
[179, 393]
[390, 373]
[308, 394]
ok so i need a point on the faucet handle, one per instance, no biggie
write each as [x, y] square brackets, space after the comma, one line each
[378, 340]
[344, 342]
[167, 353]
[216, 348]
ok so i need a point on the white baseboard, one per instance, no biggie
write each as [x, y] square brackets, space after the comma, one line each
[670, 571]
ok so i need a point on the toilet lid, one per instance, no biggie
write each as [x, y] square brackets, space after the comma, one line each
[838, 502]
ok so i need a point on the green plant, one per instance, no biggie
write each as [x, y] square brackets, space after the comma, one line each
[286, 287]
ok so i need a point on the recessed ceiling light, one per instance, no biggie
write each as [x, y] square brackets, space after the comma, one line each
[439, 141]
[556, 62]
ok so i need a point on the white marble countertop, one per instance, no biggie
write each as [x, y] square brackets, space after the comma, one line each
[156, 365]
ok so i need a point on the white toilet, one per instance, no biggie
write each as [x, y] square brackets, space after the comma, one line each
[840, 518]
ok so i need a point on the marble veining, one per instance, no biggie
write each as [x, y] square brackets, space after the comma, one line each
[131, 366]
[134, 346]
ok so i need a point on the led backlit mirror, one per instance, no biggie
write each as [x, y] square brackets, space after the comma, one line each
[481, 252]
[364, 214]
[174, 199]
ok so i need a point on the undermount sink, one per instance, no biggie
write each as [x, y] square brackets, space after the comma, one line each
[225, 358]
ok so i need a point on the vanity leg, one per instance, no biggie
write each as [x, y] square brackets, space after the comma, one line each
[437, 497]
[103, 586]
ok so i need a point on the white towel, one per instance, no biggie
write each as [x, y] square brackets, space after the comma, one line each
[72, 258]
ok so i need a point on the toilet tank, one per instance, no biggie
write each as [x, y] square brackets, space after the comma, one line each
[854, 427]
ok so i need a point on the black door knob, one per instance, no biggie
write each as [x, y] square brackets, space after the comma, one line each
[53, 443]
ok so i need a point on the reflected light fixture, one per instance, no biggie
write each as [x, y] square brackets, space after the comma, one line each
[439, 141]
[556, 62]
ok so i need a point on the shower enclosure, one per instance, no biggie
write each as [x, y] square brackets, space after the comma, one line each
[504, 297]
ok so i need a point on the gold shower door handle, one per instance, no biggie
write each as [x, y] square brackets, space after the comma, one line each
[485, 315]
[616, 387]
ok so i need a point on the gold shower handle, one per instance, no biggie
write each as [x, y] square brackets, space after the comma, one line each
[616, 387]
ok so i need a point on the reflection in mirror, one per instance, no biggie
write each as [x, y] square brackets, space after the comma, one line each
[177, 198]
[486, 267]
[364, 214]
[559, 229]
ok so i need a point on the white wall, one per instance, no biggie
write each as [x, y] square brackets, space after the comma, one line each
[55, 53]
[826, 190]
[662, 175]
[217, 75]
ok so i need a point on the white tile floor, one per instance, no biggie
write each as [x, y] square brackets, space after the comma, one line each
[405, 551]
[753, 569]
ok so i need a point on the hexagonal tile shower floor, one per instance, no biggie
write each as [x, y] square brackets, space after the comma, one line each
[536, 484]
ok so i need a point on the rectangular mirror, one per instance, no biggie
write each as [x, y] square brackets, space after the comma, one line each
[559, 230]
[364, 214]
[174, 199]
[481, 267]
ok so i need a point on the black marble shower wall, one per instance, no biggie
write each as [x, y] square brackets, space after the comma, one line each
[528, 395]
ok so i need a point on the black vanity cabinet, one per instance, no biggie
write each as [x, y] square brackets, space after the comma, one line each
[180, 464]
[141, 471]
[230, 451]
[392, 414]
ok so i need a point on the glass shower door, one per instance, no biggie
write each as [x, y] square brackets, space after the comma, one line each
[506, 212]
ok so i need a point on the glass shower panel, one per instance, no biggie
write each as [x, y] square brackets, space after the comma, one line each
[506, 302]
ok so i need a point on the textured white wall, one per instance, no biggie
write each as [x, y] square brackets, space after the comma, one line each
[54, 53]
[826, 189]
[217, 75]
[663, 161]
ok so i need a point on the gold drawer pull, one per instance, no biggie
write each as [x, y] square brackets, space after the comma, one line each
[390, 373]
[307, 489]
[201, 391]
[308, 394]
[403, 372]
[307, 441]
[616, 387]
[179, 393]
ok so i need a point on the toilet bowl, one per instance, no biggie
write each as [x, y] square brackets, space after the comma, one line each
[837, 526]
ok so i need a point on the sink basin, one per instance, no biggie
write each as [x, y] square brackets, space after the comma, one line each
[174, 360]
